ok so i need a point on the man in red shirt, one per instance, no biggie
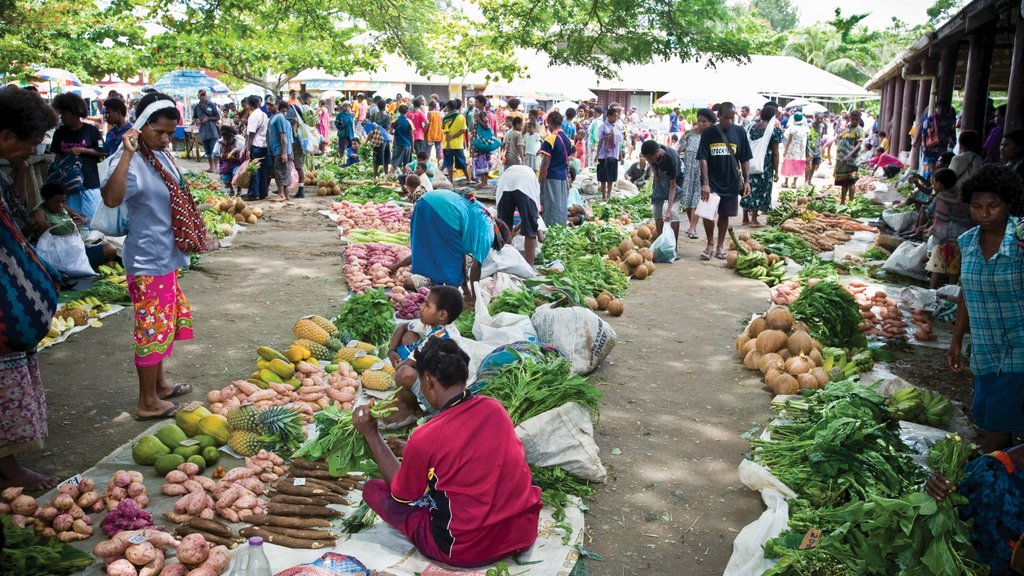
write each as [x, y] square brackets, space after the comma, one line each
[418, 119]
[467, 461]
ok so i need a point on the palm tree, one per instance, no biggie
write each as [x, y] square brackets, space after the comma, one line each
[821, 46]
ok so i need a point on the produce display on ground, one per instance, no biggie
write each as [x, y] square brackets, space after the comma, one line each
[371, 217]
[366, 266]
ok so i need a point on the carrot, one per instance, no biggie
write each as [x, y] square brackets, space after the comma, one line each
[300, 510]
[288, 521]
[269, 535]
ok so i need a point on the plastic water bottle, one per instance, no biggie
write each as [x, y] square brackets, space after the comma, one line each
[241, 562]
[257, 563]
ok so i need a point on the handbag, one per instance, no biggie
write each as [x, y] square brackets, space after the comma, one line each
[375, 139]
[67, 170]
[242, 176]
[187, 226]
[485, 142]
[759, 148]
[110, 221]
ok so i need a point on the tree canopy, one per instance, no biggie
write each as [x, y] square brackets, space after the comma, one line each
[781, 13]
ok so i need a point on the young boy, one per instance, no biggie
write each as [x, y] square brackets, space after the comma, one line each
[951, 219]
[441, 308]
[352, 153]
[422, 167]
[413, 187]
[230, 157]
[609, 141]
[513, 146]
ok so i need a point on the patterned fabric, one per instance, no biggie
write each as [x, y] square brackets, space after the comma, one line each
[22, 405]
[760, 198]
[690, 190]
[10, 198]
[162, 315]
[993, 290]
[994, 487]
[846, 170]
[28, 295]
[186, 223]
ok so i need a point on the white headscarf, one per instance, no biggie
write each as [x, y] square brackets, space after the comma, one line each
[154, 106]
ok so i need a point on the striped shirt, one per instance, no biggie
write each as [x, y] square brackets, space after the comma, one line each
[993, 290]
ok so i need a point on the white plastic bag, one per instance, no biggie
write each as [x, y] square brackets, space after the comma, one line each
[563, 437]
[66, 253]
[110, 221]
[708, 209]
[500, 329]
[664, 247]
[899, 221]
[310, 138]
[578, 333]
[747, 553]
[908, 259]
[758, 148]
[507, 260]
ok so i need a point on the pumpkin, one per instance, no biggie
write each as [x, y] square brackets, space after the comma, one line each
[779, 319]
[807, 382]
[771, 341]
[798, 365]
[769, 361]
[799, 343]
[821, 376]
[751, 359]
[756, 326]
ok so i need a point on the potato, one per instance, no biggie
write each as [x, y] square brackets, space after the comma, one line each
[193, 550]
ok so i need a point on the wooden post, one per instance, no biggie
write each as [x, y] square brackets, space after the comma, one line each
[897, 115]
[923, 89]
[883, 106]
[1015, 91]
[946, 81]
[890, 102]
[907, 115]
[979, 69]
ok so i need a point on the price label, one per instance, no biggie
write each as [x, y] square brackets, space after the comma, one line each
[73, 481]
[811, 539]
[189, 442]
[377, 366]
[299, 482]
[138, 539]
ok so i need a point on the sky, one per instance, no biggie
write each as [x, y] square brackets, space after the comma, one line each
[910, 11]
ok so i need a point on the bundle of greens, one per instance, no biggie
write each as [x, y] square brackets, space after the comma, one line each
[831, 314]
[568, 242]
[26, 554]
[367, 317]
[638, 208]
[364, 193]
[531, 386]
[339, 443]
[587, 276]
[556, 486]
[818, 269]
[515, 301]
[109, 292]
[465, 324]
[785, 245]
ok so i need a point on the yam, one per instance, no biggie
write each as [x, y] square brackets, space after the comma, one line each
[288, 521]
[269, 535]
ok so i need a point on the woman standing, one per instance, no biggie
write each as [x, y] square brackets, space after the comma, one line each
[1011, 151]
[795, 156]
[75, 139]
[849, 143]
[323, 126]
[29, 301]
[688, 147]
[991, 303]
[480, 138]
[145, 178]
[760, 198]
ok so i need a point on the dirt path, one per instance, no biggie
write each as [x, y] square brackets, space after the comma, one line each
[676, 400]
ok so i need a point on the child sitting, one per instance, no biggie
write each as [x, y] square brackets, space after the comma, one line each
[951, 219]
[422, 167]
[413, 187]
[441, 308]
[230, 158]
[352, 155]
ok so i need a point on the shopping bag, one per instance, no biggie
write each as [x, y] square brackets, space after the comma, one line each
[708, 209]
[664, 248]
[293, 173]
[66, 254]
[242, 176]
[110, 221]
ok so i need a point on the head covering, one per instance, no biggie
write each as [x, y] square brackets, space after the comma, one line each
[798, 117]
[143, 118]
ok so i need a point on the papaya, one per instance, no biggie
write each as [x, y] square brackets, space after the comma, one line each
[267, 353]
[262, 364]
[171, 436]
[205, 441]
[331, 368]
[282, 368]
[167, 462]
[188, 451]
[188, 420]
[217, 427]
[210, 454]
[364, 361]
[148, 449]
[294, 383]
[198, 461]
[268, 376]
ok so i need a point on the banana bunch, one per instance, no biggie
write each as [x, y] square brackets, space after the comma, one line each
[755, 265]
[937, 410]
[115, 273]
[905, 404]
[839, 367]
[90, 303]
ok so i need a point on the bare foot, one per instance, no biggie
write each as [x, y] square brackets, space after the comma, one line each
[277, 198]
[401, 417]
[19, 476]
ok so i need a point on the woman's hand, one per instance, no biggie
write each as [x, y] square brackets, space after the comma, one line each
[130, 142]
[395, 358]
[938, 486]
[364, 422]
[953, 357]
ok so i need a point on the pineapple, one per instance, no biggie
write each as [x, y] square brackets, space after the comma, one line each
[282, 428]
[319, 351]
[334, 344]
[245, 443]
[245, 418]
[347, 354]
[377, 380]
[362, 346]
[306, 329]
[324, 323]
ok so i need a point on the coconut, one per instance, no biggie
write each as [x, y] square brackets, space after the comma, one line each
[756, 326]
[626, 245]
[616, 307]
[239, 219]
[800, 343]
[807, 382]
[625, 268]
[740, 341]
[752, 359]
[769, 361]
[650, 267]
[643, 232]
[779, 319]
[615, 253]
[640, 272]
[251, 219]
[246, 212]
[257, 212]
[591, 302]
[602, 300]
[634, 259]
[730, 258]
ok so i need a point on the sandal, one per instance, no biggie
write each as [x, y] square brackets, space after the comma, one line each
[706, 254]
[720, 255]
[691, 235]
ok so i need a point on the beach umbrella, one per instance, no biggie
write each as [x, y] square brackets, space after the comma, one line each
[331, 95]
[58, 75]
[798, 103]
[814, 108]
[564, 105]
[188, 83]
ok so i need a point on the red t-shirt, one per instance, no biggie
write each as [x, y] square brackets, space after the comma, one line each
[419, 121]
[470, 461]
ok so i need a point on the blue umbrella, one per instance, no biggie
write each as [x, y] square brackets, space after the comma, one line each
[188, 83]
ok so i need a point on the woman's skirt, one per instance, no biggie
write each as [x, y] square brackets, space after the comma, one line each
[22, 405]
[162, 315]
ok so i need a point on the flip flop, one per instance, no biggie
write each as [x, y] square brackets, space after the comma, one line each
[165, 414]
[179, 390]
[720, 255]
[705, 255]
[691, 235]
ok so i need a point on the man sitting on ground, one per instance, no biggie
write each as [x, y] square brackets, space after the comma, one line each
[467, 460]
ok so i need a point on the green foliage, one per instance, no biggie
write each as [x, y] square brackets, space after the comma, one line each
[942, 10]
[531, 386]
[368, 317]
[781, 13]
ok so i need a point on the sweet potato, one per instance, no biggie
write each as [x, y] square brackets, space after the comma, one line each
[175, 569]
[193, 549]
[110, 548]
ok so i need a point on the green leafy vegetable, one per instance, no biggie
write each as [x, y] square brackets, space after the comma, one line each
[515, 301]
[109, 292]
[364, 193]
[26, 554]
[638, 208]
[368, 317]
[528, 387]
[568, 242]
[465, 324]
[587, 276]
[785, 245]
[339, 443]
[831, 314]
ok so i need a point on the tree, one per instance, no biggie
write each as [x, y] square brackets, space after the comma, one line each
[85, 39]
[759, 33]
[781, 13]
[819, 45]
[942, 10]
[605, 34]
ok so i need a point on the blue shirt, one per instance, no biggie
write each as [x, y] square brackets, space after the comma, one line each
[673, 122]
[558, 148]
[370, 127]
[353, 156]
[114, 136]
[569, 128]
[993, 290]
[345, 123]
[403, 132]
[279, 125]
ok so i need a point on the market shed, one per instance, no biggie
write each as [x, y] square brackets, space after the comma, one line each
[978, 51]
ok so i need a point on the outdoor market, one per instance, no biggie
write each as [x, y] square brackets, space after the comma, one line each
[756, 319]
